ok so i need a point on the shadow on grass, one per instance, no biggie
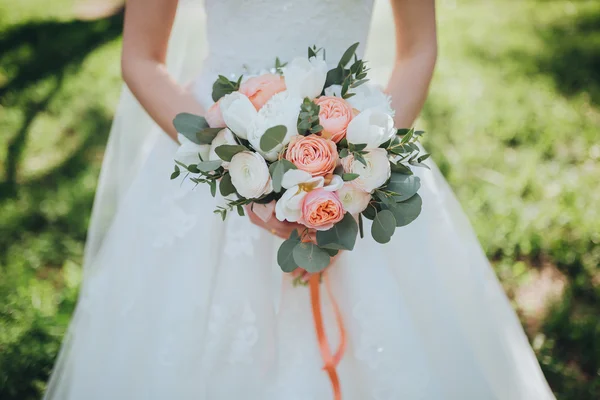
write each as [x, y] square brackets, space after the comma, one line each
[572, 56]
[34, 52]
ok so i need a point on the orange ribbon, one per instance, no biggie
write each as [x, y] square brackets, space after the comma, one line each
[331, 360]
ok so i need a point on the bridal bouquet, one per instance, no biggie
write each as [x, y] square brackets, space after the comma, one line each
[305, 144]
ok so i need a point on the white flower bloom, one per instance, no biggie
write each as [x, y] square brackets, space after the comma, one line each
[250, 175]
[188, 152]
[238, 113]
[298, 183]
[353, 199]
[305, 78]
[225, 136]
[370, 127]
[281, 109]
[374, 174]
[368, 95]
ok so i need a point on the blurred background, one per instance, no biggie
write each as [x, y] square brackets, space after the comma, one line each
[513, 121]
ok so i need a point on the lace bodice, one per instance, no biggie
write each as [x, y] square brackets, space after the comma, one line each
[245, 36]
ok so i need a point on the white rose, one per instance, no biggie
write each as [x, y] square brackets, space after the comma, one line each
[238, 113]
[353, 199]
[297, 184]
[281, 109]
[225, 136]
[250, 175]
[374, 174]
[368, 95]
[370, 127]
[305, 78]
[188, 152]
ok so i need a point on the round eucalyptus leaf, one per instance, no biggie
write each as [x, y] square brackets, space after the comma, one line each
[285, 255]
[383, 226]
[226, 186]
[310, 257]
[407, 211]
[405, 186]
[342, 236]
[189, 125]
[273, 137]
[227, 151]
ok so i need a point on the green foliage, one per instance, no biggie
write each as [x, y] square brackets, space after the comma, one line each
[224, 86]
[273, 137]
[308, 119]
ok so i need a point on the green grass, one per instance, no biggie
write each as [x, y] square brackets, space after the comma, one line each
[513, 117]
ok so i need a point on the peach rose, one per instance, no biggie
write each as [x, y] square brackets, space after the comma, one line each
[321, 209]
[260, 89]
[334, 116]
[214, 117]
[313, 154]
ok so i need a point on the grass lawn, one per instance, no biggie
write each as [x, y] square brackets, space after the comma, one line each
[513, 117]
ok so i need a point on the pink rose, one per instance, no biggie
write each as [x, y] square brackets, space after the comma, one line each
[313, 154]
[214, 117]
[321, 209]
[261, 88]
[334, 116]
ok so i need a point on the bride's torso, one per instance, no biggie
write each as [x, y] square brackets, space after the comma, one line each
[245, 36]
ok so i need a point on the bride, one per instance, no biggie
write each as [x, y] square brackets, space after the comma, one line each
[177, 304]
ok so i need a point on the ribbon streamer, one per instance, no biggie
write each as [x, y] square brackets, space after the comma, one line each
[331, 361]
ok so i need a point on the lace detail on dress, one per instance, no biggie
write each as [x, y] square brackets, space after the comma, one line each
[234, 325]
[240, 237]
[173, 223]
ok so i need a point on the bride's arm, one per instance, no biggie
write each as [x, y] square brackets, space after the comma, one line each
[416, 52]
[146, 33]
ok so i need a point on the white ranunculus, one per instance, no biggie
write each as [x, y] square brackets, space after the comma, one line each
[188, 152]
[238, 113]
[250, 175]
[374, 174]
[368, 95]
[305, 78]
[281, 109]
[225, 136]
[353, 199]
[371, 127]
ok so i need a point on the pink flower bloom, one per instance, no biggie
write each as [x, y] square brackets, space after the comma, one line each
[321, 209]
[334, 116]
[313, 154]
[214, 117]
[261, 88]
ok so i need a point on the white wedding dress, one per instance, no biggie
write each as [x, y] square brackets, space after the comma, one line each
[177, 304]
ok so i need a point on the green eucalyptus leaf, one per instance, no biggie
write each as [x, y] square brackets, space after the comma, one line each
[277, 170]
[226, 186]
[371, 211]
[310, 257]
[189, 125]
[285, 254]
[349, 177]
[273, 137]
[207, 135]
[401, 169]
[335, 76]
[348, 54]
[332, 252]
[240, 211]
[407, 211]
[383, 226]
[405, 186]
[342, 236]
[227, 151]
[209, 166]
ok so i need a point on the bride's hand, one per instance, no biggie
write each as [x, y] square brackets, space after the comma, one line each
[276, 227]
